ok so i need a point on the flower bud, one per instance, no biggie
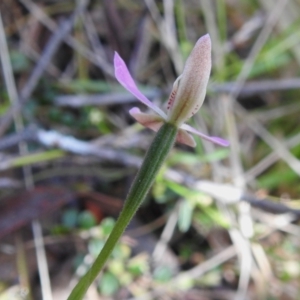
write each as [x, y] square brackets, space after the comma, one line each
[189, 89]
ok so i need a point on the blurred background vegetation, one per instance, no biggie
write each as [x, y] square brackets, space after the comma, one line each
[218, 223]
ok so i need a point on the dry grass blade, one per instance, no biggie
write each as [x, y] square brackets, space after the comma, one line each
[256, 87]
[39, 69]
[97, 59]
[23, 149]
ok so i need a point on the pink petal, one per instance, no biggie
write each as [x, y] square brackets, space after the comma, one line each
[151, 121]
[214, 139]
[185, 138]
[123, 76]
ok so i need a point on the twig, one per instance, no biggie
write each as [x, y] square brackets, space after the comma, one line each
[8, 183]
[246, 32]
[13, 95]
[212, 26]
[230, 194]
[39, 69]
[227, 194]
[120, 98]
[161, 246]
[97, 59]
[166, 28]
[277, 112]
[282, 222]
[279, 147]
[256, 87]
[269, 205]
[42, 260]
[270, 159]
[259, 43]
[73, 145]
[193, 273]
[209, 264]
[13, 139]
[100, 99]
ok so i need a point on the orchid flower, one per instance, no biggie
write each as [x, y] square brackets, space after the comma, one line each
[186, 97]
[185, 100]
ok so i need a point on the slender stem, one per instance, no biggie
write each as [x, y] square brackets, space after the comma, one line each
[155, 156]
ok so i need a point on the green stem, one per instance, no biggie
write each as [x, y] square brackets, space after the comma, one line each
[155, 156]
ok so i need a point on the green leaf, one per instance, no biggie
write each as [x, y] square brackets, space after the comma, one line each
[186, 193]
[116, 266]
[59, 230]
[95, 246]
[35, 158]
[107, 225]
[81, 86]
[185, 216]
[277, 178]
[162, 274]
[86, 220]
[213, 215]
[159, 192]
[199, 200]
[138, 265]
[108, 284]
[179, 157]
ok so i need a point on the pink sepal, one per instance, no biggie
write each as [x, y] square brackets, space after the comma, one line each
[151, 121]
[214, 139]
